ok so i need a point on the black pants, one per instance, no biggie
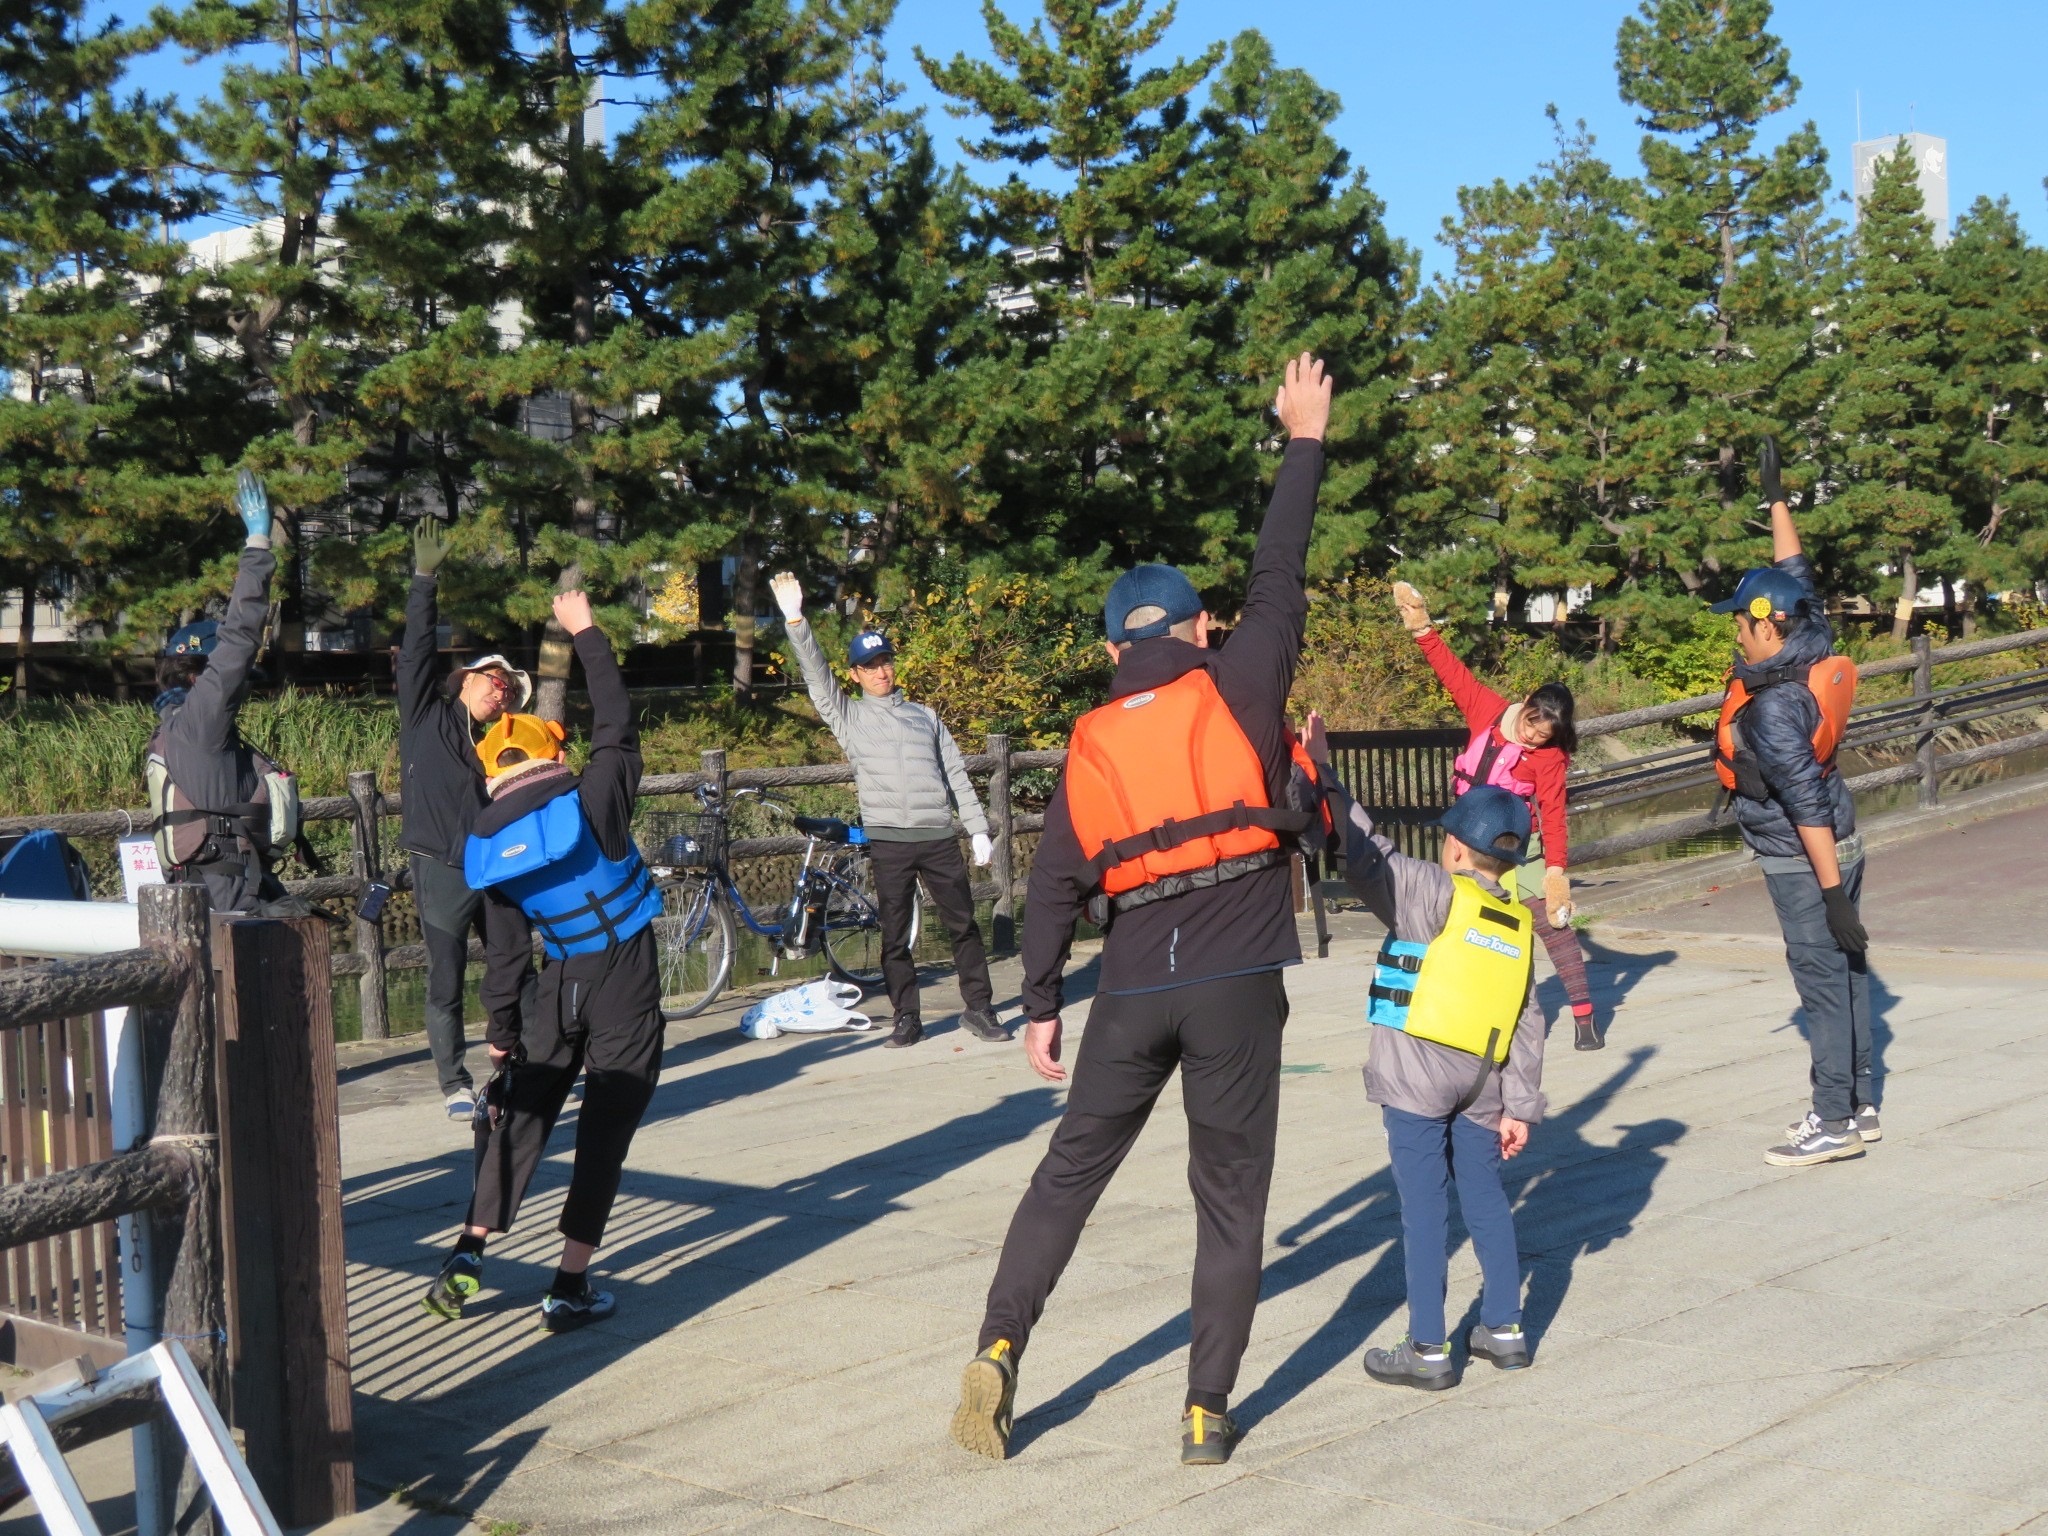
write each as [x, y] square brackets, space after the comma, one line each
[1225, 1038]
[579, 1025]
[897, 866]
[449, 911]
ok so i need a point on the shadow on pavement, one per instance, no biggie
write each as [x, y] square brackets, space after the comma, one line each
[1882, 1000]
[1613, 975]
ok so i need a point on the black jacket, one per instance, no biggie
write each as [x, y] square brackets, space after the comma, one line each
[1778, 725]
[444, 783]
[1245, 924]
[625, 977]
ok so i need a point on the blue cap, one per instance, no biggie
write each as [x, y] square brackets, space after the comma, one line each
[1489, 820]
[1766, 593]
[869, 647]
[1149, 586]
[194, 639]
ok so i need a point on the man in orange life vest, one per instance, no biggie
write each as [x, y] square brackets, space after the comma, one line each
[1788, 702]
[1195, 886]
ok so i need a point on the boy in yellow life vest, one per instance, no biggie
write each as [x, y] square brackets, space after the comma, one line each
[1456, 1061]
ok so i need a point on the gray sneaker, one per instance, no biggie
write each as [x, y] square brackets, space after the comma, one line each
[461, 1104]
[1411, 1365]
[982, 1024]
[1814, 1140]
[1866, 1124]
[1507, 1348]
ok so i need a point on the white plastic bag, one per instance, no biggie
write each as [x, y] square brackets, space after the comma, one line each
[815, 1008]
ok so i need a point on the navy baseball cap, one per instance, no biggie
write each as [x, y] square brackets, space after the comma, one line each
[1149, 586]
[1766, 593]
[194, 639]
[869, 647]
[1487, 819]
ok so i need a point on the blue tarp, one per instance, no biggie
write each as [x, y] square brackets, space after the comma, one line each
[39, 868]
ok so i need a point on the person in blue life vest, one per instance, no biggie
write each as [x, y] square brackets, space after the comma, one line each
[553, 852]
[1456, 1057]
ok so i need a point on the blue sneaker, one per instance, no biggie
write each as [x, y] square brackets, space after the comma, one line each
[565, 1314]
[461, 1277]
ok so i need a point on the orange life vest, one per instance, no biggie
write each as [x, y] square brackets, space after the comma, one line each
[1833, 682]
[1167, 794]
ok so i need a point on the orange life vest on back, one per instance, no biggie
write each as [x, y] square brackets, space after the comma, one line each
[1832, 680]
[1167, 794]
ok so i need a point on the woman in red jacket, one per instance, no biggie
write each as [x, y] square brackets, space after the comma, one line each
[1524, 748]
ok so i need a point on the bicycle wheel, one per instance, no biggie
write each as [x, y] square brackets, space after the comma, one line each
[695, 941]
[853, 924]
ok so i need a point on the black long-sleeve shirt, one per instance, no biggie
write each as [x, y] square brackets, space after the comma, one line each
[1242, 925]
[443, 781]
[610, 781]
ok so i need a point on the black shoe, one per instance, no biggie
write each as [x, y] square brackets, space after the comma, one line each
[1407, 1364]
[909, 1030]
[1206, 1439]
[1507, 1348]
[1814, 1140]
[461, 1277]
[565, 1314]
[1585, 1033]
[981, 1023]
[988, 1393]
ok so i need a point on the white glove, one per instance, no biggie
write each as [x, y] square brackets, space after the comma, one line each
[789, 595]
[984, 850]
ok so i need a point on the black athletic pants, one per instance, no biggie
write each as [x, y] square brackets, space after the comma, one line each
[1225, 1038]
[449, 912]
[897, 866]
[577, 1026]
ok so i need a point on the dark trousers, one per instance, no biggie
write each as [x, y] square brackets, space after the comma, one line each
[449, 912]
[897, 866]
[578, 1028]
[1225, 1038]
[1834, 988]
[1429, 1154]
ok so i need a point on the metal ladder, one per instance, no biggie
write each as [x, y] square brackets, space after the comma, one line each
[28, 1425]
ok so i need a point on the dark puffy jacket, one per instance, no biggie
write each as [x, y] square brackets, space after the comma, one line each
[1778, 727]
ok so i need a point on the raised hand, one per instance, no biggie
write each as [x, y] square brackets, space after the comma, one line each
[1408, 603]
[572, 611]
[253, 505]
[429, 545]
[1767, 472]
[1315, 740]
[789, 595]
[1303, 400]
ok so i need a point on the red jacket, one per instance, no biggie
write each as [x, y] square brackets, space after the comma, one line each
[1482, 709]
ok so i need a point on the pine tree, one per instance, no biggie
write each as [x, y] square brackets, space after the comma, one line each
[1896, 410]
[1722, 215]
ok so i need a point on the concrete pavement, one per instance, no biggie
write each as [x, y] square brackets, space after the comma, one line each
[808, 1227]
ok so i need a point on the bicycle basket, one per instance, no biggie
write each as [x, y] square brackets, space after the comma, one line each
[672, 840]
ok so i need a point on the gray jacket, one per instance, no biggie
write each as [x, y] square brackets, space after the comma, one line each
[1413, 898]
[906, 769]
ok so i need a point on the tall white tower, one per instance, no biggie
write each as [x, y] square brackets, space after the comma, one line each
[1930, 162]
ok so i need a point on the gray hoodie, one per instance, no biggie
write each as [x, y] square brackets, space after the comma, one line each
[906, 769]
[1413, 898]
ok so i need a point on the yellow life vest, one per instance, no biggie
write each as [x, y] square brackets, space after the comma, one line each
[1465, 988]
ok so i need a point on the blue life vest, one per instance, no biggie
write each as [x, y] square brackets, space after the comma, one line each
[550, 864]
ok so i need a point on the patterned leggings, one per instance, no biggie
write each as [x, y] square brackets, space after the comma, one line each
[1565, 956]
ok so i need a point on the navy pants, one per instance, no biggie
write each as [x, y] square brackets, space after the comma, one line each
[1834, 988]
[1430, 1153]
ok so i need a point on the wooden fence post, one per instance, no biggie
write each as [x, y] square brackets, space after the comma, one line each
[1923, 688]
[711, 762]
[1003, 822]
[363, 840]
[190, 1276]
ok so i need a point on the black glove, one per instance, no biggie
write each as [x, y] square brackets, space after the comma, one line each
[1843, 924]
[1767, 472]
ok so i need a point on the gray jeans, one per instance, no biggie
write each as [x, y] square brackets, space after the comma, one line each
[448, 911]
[1834, 988]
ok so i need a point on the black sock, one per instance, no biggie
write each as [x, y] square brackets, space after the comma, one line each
[469, 1242]
[568, 1285]
[1208, 1402]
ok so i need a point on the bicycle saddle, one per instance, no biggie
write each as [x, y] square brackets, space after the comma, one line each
[830, 828]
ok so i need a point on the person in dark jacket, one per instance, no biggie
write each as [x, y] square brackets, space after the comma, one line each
[1191, 980]
[439, 716]
[598, 1009]
[1799, 819]
[201, 685]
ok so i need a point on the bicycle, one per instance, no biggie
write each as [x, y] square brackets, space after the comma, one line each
[831, 907]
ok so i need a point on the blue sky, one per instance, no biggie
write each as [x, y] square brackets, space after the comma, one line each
[1452, 93]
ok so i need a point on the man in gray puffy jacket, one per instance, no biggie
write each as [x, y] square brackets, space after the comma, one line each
[910, 778]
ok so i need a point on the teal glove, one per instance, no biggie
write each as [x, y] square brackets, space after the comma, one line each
[253, 505]
[429, 545]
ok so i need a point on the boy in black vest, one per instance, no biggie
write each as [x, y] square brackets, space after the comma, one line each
[554, 852]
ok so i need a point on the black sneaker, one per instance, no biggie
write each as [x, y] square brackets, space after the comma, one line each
[1585, 1033]
[909, 1030]
[981, 1023]
[1814, 1140]
[1507, 1348]
[1206, 1439]
[1409, 1364]
[461, 1277]
[988, 1393]
[565, 1314]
